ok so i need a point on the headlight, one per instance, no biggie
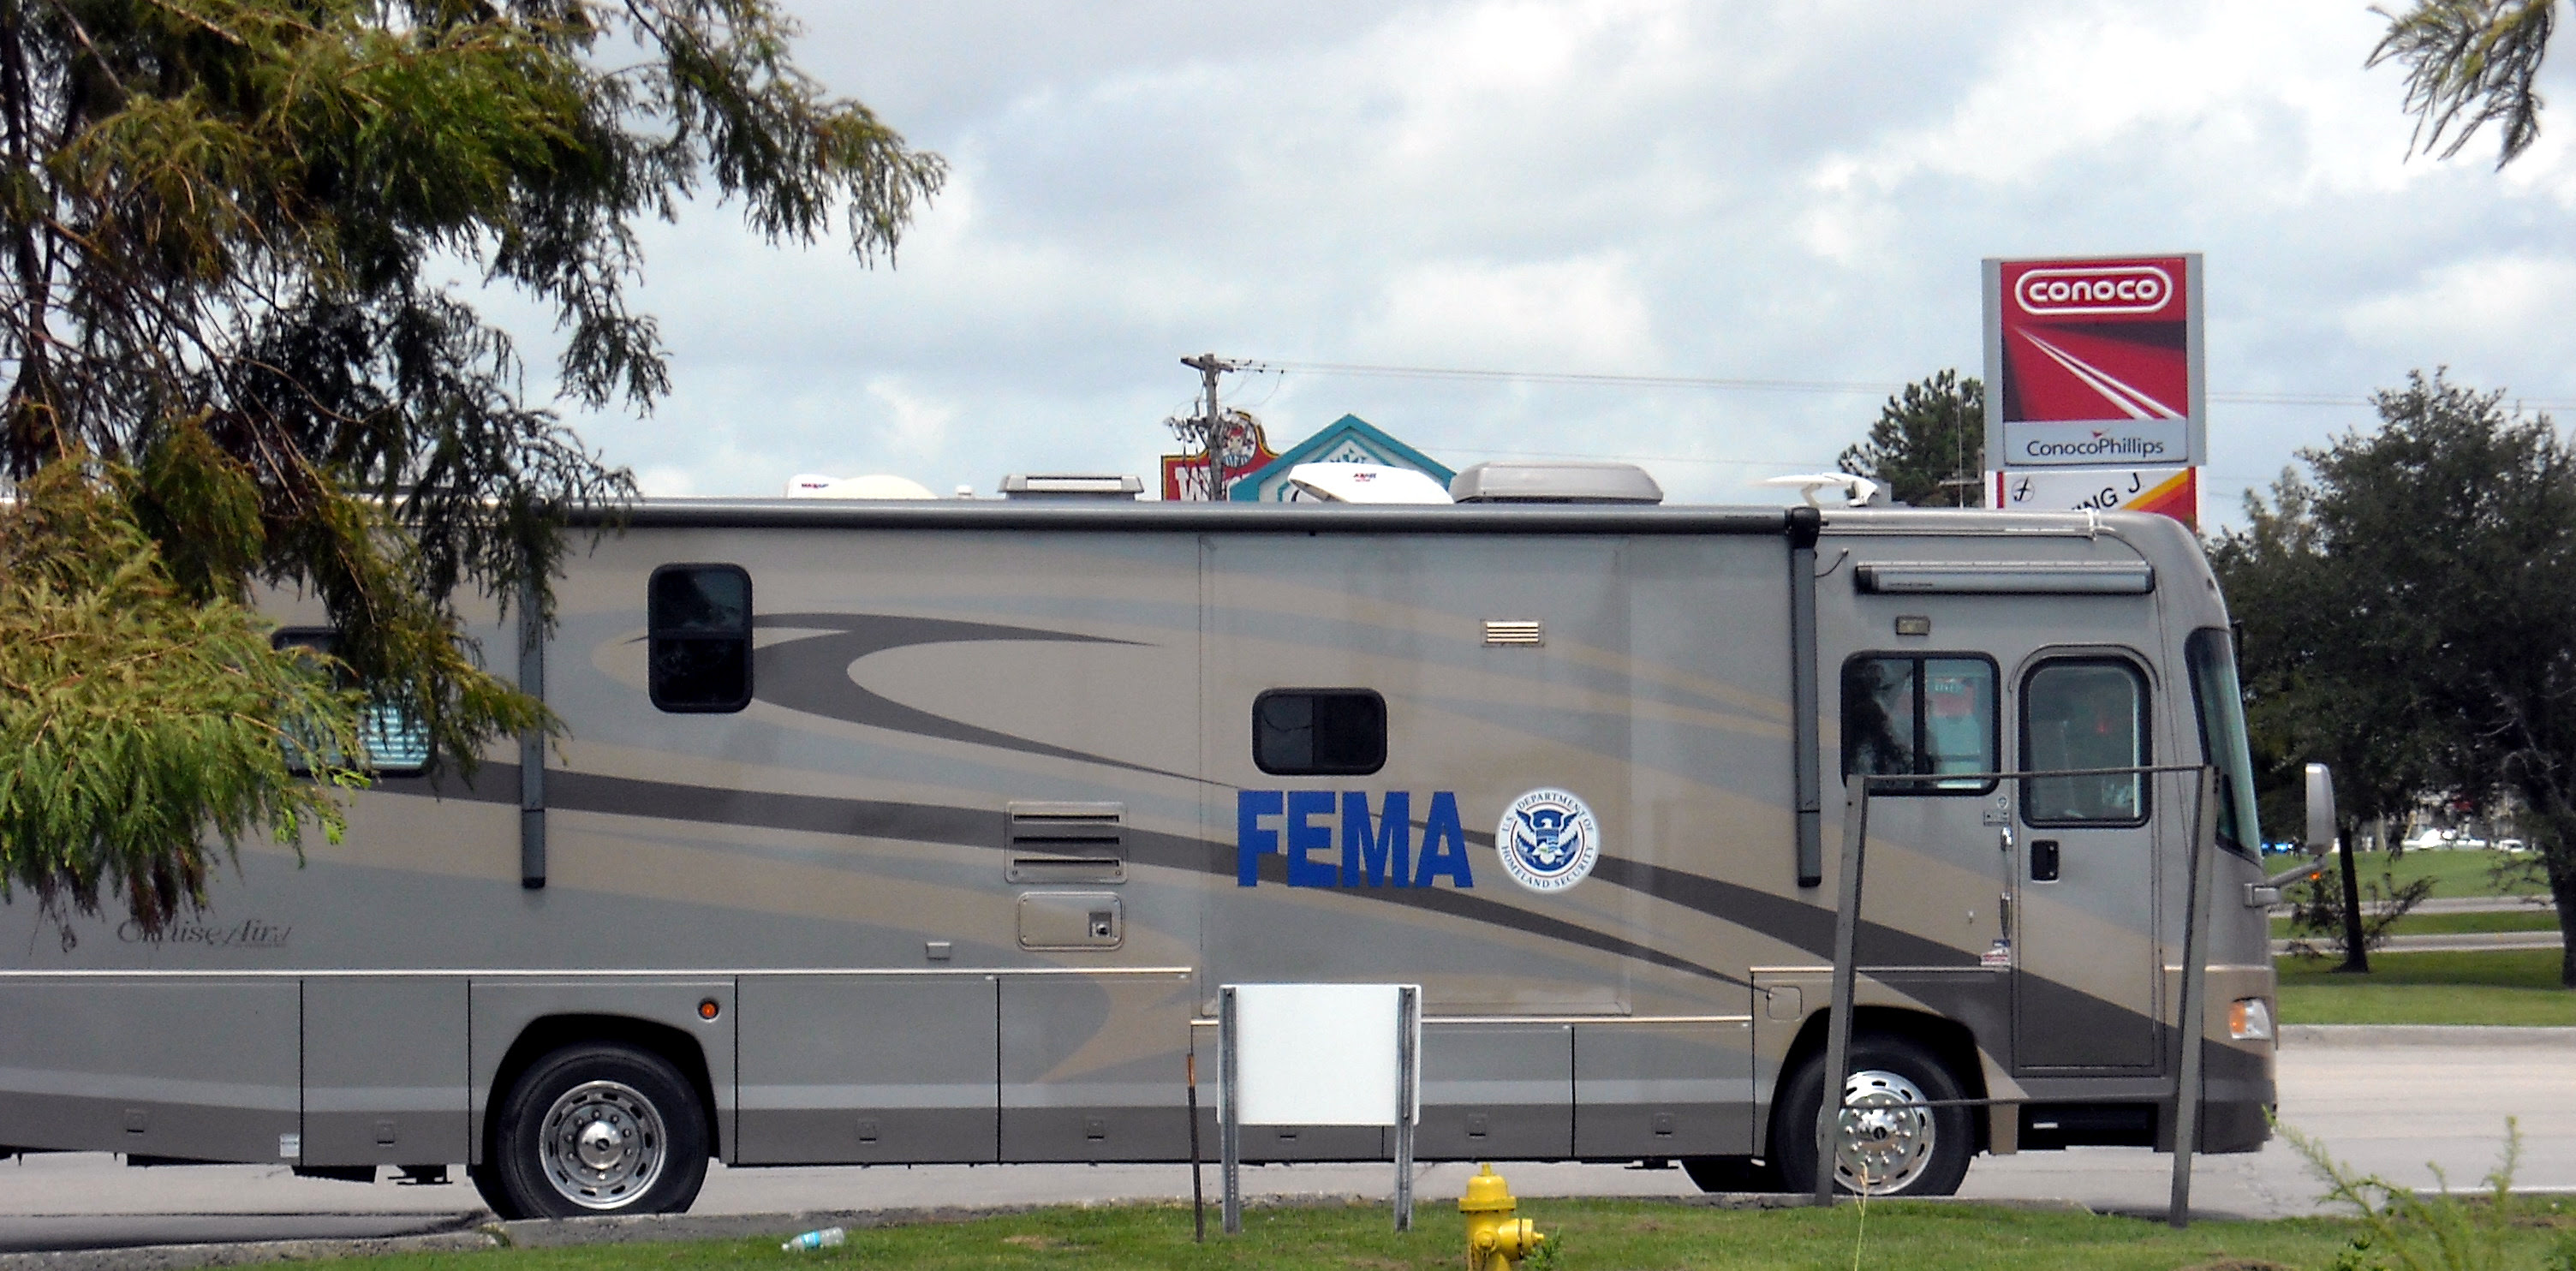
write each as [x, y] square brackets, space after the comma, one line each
[2249, 1019]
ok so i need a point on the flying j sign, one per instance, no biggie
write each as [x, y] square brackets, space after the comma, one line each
[2094, 363]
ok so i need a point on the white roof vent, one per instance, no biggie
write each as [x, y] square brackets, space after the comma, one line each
[807, 485]
[1364, 483]
[1555, 481]
[1070, 485]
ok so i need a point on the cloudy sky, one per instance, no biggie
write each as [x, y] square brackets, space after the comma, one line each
[1747, 191]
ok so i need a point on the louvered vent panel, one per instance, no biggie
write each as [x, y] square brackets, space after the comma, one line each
[1067, 843]
[1522, 631]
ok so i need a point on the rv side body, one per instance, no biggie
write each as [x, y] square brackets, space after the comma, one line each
[961, 879]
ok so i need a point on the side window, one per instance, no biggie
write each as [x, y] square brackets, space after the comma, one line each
[1299, 732]
[396, 742]
[699, 619]
[1921, 716]
[2084, 713]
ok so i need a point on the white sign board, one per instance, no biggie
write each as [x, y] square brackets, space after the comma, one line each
[2173, 492]
[1319, 1054]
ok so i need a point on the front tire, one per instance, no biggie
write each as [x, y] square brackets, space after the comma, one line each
[594, 1130]
[1887, 1147]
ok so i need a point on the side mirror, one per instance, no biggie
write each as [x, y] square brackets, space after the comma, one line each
[2321, 810]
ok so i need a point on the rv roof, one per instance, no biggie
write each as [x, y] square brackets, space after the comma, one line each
[1122, 516]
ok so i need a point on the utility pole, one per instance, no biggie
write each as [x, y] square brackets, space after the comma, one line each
[1206, 430]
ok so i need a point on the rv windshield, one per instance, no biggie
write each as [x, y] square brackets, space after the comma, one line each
[2222, 734]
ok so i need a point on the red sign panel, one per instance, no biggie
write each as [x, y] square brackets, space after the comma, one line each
[2093, 362]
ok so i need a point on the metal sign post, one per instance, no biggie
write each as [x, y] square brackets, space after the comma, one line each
[1229, 1123]
[1838, 1028]
[2187, 1017]
[1320, 1054]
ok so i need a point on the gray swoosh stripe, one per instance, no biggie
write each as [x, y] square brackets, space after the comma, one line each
[812, 674]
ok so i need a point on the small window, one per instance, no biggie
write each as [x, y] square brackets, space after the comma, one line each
[2084, 713]
[1319, 732]
[395, 741]
[1920, 715]
[699, 617]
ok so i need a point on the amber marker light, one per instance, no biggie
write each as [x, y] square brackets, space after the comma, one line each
[708, 1009]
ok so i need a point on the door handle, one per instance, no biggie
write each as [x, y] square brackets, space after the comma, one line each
[2043, 860]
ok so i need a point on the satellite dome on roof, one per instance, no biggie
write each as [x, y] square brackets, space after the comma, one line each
[1364, 483]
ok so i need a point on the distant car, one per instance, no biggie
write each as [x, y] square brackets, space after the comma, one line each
[2429, 839]
[2512, 845]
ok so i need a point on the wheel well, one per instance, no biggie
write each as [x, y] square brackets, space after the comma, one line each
[545, 1036]
[1948, 1041]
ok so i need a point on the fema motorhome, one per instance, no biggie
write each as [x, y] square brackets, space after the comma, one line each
[926, 832]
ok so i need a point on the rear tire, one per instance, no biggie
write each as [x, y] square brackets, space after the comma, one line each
[594, 1130]
[1888, 1149]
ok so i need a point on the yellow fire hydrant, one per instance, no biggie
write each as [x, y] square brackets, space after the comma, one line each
[1495, 1239]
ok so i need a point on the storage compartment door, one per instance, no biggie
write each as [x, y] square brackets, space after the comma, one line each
[385, 1071]
[192, 1069]
[856, 1069]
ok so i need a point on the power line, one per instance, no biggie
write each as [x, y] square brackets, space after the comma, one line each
[1366, 370]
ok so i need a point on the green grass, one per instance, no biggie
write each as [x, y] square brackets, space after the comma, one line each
[2505, 986]
[2537, 918]
[2453, 873]
[1590, 1234]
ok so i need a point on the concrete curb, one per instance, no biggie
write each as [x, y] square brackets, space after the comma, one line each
[2365, 1035]
[243, 1254]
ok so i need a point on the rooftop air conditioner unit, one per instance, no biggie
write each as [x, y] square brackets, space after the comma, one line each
[1555, 481]
[1070, 485]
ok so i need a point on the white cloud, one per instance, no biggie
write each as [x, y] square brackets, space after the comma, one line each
[1574, 315]
[915, 425]
[1656, 186]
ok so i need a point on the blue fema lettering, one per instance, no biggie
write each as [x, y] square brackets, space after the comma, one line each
[1385, 857]
[1444, 844]
[1304, 836]
[1376, 851]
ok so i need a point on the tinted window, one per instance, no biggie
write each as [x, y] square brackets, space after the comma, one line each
[395, 741]
[1319, 731]
[1920, 716]
[2222, 734]
[700, 637]
[2079, 714]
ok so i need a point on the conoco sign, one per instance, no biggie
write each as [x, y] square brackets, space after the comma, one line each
[2094, 363]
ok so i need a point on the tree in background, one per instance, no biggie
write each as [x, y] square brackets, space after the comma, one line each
[2411, 617]
[2470, 63]
[1929, 444]
[2318, 688]
[231, 363]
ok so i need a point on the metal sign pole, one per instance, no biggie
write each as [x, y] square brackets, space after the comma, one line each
[1229, 1130]
[2188, 1022]
[1198, 1177]
[1408, 1065]
[1829, 1103]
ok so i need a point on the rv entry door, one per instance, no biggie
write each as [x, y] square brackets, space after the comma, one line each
[2084, 958]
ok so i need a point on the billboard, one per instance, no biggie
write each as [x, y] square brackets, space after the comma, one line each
[2174, 492]
[2094, 363]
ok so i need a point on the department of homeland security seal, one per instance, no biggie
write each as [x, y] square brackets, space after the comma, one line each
[1548, 840]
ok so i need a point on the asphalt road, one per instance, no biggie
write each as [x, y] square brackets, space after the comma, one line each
[2392, 1101]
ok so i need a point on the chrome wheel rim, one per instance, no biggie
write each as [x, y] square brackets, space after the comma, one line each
[1887, 1136]
[603, 1145]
